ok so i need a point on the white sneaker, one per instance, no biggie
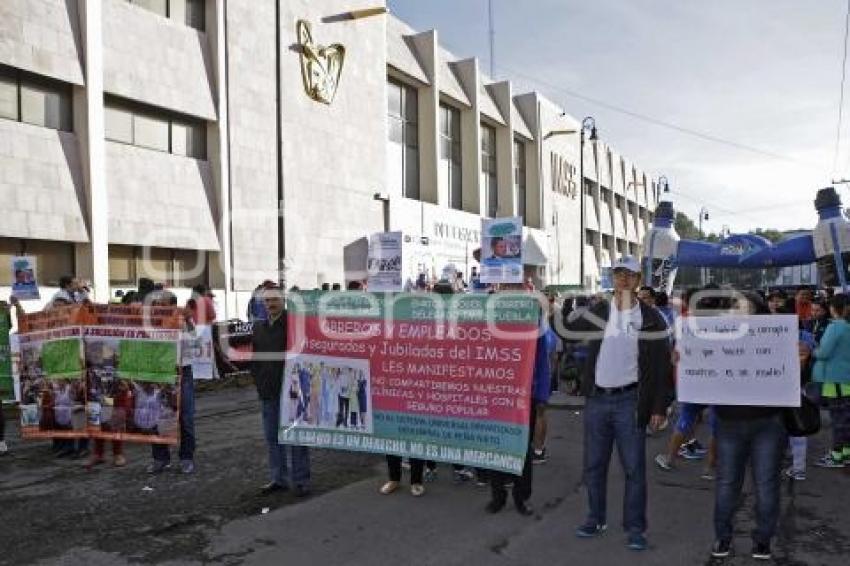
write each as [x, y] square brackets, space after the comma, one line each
[4, 449]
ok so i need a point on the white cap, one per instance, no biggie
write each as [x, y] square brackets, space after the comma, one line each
[627, 262]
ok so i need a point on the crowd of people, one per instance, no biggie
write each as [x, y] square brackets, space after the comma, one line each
[623, 346]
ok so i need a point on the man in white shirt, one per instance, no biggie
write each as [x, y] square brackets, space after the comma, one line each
[625, 383]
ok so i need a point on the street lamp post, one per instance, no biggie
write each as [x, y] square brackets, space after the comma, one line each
[703, 215]
[588, 124]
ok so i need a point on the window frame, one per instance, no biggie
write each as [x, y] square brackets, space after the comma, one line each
[455, 149]
[63, 90]
[408, 120]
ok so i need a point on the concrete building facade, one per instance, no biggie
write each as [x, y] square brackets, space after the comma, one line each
[179, 139]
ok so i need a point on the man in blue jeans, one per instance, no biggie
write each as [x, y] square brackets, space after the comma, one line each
[267, 367]
[160, 452]
[625, 384]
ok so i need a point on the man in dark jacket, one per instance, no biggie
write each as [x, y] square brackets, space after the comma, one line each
[625, 384]
[267, 367]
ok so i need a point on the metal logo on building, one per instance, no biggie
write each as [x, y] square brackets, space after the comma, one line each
[563, 176]
[321, 66]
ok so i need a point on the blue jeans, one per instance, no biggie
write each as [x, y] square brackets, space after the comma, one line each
[609, 419]
[280, 453]
[761, 442]
[161, 452]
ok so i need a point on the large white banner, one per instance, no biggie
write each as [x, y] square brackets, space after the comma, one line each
[501, 250]
[384, 264]
[739, 360]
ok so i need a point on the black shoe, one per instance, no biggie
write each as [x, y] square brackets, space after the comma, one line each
[302, 491]
[524, 508]
[495, 505]
[761, 551]
[721, 549]
[271, 487]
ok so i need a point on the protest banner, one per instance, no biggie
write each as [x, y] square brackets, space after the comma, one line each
[438, 377]
[24, 283]
[51, 382]
[6, 383]
[132, 383]
[501, 250]
[385, 261]
[739, 360]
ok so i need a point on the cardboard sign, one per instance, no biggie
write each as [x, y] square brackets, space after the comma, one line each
[385, 262]
[24, 284]
[501, 250]
[739, 360]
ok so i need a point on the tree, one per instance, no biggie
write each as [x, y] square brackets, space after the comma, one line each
[685, 227]
[769, 233]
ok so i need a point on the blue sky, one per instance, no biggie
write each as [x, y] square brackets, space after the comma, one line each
[764, 74]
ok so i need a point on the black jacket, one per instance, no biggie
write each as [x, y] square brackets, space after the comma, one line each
[268, 358]
[654, 363]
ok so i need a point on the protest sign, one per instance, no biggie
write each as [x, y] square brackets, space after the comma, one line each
[501, 250]
[438, 377]
[51, 381]
[384, 264]
[132, 383]
[24, 284]
[6, 384]
[739, 360]
[197, 351]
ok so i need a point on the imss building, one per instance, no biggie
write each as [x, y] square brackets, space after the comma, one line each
[231, 141]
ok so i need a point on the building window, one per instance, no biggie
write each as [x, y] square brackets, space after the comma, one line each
[172, 267]
[144, 126]
[403, 142]
[606, 241]
[488, 170]
[520, 178]
[25, 97]
[52, 259]
[450, 160]
[590, 237]
[188, 12]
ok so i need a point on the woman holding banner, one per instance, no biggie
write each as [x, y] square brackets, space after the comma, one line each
[748, 434]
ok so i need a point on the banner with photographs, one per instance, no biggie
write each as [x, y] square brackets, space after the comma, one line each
[501, 250]
[82, 378]
[53, 396]
[132, 383]
[7, 391]
[438, 377]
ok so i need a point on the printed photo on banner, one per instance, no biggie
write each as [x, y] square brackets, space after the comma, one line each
[385, 262]
[501, 250]
[53, 392]
[7, 391]
[327, 393]
[24, 284]
[132, 384]
[739, 360]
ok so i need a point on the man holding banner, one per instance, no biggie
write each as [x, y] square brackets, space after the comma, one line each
[626, 385]
[267, 367]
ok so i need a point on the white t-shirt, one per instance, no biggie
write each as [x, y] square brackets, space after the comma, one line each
[617, 364]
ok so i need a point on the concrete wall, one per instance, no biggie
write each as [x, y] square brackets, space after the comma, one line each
[41, 185]
[253, 142]
[158, 61]
[42, 36]
[158, 199]
[334, 156]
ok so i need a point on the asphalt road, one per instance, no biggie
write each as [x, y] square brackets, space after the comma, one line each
[54, 512]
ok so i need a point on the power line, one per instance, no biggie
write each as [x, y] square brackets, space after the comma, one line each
[659, 122]
[841, 97]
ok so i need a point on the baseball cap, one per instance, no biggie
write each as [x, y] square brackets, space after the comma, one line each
[627, 262]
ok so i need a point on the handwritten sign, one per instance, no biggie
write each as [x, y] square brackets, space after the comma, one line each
[739, 360]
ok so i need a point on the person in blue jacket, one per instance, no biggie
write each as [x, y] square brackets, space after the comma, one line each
[832, 370]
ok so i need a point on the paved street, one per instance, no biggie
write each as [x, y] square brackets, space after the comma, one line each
[215, 516]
